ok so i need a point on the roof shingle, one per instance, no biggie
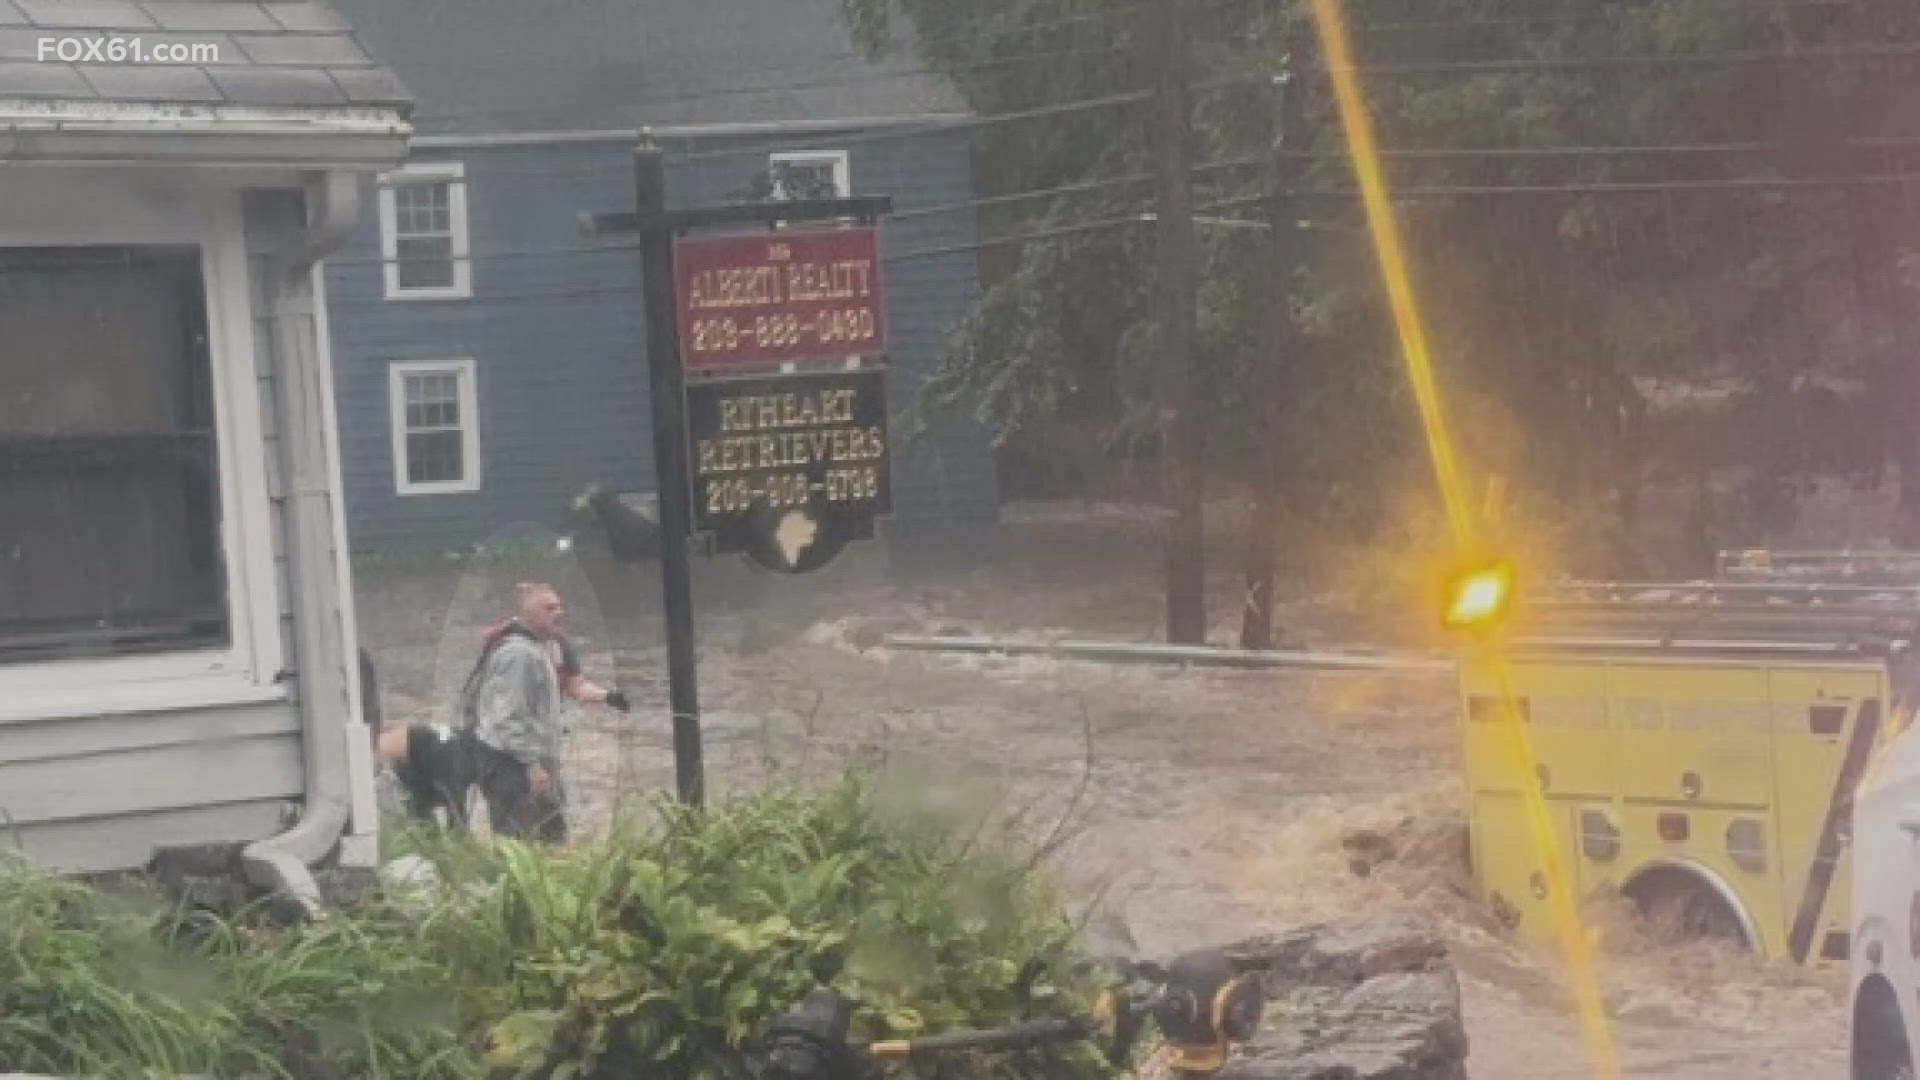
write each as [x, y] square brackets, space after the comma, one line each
[370, 86]
[148, 83]
[302, 49]
[44, 81]
[279, 86]
[276, 53]
[305, 17]
[197, 15]
[86, 14]
[20, 44]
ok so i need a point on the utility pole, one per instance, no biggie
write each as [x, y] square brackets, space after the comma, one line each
[666, 385]
[1283, 347]
[1182, 423]
[1269, 430]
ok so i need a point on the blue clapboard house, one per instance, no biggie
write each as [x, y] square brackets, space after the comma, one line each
[489, 361]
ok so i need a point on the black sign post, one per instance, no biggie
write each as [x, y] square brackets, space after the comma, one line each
[803, 473]
[665, 385]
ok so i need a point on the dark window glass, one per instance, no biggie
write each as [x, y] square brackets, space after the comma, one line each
[109, 493]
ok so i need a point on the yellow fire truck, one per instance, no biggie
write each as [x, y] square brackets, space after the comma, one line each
[1698, 745]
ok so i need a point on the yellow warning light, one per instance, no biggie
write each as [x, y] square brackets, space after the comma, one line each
[1480, 597]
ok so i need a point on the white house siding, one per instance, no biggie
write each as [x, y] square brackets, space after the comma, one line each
[97, 781]
[101, 793]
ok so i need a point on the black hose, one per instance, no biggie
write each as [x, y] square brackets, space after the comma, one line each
[1014, 1036]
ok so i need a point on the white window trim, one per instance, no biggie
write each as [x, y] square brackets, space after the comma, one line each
[454, 174]
[247, 668]
[842, 170]
[468, 378]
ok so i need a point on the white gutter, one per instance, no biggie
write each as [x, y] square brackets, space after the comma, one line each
[21, 114]
[106, 133]
[309, 503]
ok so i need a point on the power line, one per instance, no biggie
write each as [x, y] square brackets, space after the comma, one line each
[1814, 53]
[1407, 191]
[1425, 191]
[1077, 228]
[912, 129]
[1601, 187]
[1545, 20]
[622, 168]
[507, 254]
[1066, 189]
[1602, 150]
[1064, 108]
[1139, 219]
[629, 289]
[1887, 51]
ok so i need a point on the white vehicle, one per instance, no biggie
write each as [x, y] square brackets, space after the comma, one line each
[1885, 1017]
[1885, 940]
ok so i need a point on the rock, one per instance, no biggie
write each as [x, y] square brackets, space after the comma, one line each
[1346, 951]
[1367, 998]
[1108, 939]
[409, 875]
[346, 888]
[203, 878]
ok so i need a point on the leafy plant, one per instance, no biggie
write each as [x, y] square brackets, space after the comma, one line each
[663, 948]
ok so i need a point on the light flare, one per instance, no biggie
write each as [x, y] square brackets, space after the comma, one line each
[1362, 149]
[1480, 599]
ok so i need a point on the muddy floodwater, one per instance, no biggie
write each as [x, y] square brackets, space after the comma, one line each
[1203, 805]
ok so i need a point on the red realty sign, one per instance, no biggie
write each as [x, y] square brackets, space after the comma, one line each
[769, 298]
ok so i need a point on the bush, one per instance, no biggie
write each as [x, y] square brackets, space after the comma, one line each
[115, 983]
[662, 950]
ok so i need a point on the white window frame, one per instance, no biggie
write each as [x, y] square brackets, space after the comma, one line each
[45, 213]
[454, 175]
[466, 374]
[842, 169]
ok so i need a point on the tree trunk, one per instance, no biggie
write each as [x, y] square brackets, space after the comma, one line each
[1283, 348]
[1256, 621]
[1182, 421]
[1629, 483]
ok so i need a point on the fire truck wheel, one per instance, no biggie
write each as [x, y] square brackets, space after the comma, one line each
[1679, 906]
[1879, 1038]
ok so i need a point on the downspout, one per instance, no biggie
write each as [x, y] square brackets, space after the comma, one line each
[282, 862]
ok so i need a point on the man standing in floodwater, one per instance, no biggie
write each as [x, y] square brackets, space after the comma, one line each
[515, 702]
[508, 739]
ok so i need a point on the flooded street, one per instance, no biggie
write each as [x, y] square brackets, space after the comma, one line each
[1202, 805]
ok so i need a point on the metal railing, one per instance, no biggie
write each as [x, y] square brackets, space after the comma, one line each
[1859, 567]
[1733, 616]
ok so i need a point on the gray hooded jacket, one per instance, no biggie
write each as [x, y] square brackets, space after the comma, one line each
[517, 702]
